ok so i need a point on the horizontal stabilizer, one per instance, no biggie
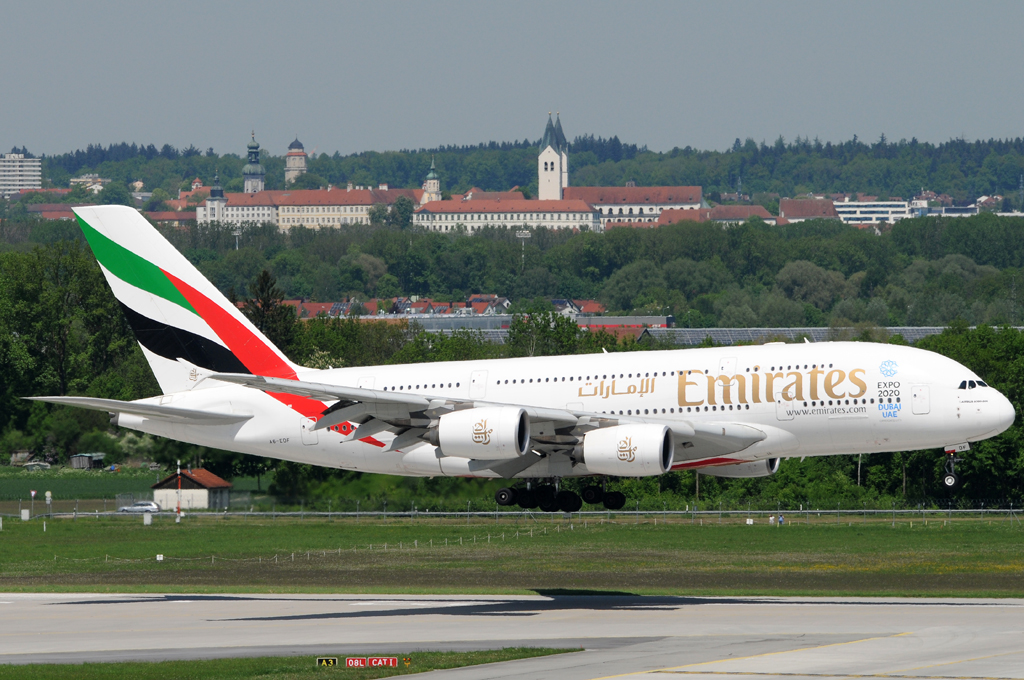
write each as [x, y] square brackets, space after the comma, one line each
[182, 415]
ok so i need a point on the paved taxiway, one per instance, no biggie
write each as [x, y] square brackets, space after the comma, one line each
[620, 636]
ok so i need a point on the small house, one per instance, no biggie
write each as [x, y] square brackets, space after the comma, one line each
[87, 461]
[200, 490]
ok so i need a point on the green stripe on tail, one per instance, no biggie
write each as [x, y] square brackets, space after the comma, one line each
[131, 268]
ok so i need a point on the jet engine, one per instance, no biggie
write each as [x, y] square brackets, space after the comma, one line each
[488, 433]
[640, 450]
[760, 468]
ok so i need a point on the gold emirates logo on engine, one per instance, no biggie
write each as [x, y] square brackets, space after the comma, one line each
[481, 435]
[626, 451]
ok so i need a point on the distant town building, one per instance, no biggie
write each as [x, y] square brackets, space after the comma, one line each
[737, 214]
[253, 173]
[725, 214]
[431, 186]
[294, 161]
[796, 210]
[472, 215]
[90, 181]
[18, 172]
[636, 204]
[872, 213]
[553, 163]
[311, 208]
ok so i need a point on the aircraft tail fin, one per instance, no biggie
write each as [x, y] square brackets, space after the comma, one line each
[180, 319]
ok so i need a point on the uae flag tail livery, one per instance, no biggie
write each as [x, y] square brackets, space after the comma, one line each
[186, 327]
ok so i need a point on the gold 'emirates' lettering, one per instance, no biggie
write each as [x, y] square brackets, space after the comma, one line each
[684, 382]
[832, 381]
[789, 386]
[859, 383]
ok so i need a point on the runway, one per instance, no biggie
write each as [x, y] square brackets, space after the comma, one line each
[625, 635]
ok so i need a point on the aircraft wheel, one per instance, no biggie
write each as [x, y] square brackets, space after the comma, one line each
[593, 495]
[545, 494]
[614, 500]
[546, 499]
[526, 499]
[505, 496]
[568, 501]
[950, 481]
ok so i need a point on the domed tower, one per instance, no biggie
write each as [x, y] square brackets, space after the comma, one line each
[253, 173]
[431, 186]
[295, 161]
[216, 203]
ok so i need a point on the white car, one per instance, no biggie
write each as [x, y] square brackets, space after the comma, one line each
[141, 506]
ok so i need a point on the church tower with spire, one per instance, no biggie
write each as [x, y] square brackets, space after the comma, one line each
[553, 162]
[431, 185]
[253, 173]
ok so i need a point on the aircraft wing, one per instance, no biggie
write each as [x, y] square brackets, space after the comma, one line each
[183, 415]
[321, 391]
[356, 402]
[559, 429]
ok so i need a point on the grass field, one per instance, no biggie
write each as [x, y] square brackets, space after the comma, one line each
[210, 554]
[271, 668]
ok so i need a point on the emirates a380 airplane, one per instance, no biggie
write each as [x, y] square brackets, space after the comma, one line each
[726, 411]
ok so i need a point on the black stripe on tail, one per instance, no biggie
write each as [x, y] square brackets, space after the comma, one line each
[174, 343]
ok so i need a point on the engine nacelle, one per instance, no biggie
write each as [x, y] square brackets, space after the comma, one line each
[760, 468]
[488, 433]
[640, 450]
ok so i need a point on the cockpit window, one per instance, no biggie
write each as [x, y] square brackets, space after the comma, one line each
[971, 384]
[963, 385]
[982, 384]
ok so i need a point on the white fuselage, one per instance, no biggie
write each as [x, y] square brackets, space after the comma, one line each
[811, 399]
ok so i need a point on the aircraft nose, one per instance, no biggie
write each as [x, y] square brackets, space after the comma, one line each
[999, 417]
[1004, 414]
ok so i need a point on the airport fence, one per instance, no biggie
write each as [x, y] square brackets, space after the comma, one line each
[706, 516]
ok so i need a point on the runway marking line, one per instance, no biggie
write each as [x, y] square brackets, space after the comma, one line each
[753, 656]
[950, 663]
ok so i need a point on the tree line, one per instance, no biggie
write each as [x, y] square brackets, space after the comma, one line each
[960, 168]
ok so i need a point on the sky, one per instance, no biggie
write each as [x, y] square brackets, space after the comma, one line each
[387, 75]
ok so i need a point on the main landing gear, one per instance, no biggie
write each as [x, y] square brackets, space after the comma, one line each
[551, 499]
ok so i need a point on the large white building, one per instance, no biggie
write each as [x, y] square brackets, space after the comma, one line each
[18, 172]
[472, 215]
[312, 208]
[872, 213]
[636, 204]
[552, 163]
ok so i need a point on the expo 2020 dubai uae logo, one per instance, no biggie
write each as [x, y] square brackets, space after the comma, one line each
[888, 368]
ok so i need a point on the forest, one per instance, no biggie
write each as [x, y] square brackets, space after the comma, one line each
[960, 168]
[62, 332]
[921, 272]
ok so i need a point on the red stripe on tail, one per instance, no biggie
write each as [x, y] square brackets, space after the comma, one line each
[257, 356]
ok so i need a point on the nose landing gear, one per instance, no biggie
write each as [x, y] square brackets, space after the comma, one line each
[950, 480]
